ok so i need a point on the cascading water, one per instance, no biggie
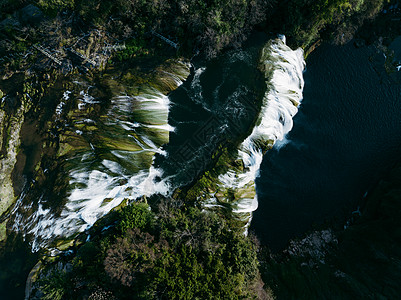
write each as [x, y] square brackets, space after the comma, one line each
[106, 159]
[283, 69]
[107, 152]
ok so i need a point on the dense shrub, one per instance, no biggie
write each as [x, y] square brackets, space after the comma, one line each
[206, 25]
[55, 285]
[10, 6]
[135, 216]
[132, 256]
[186, 254]
[56, 4]
[305, 21]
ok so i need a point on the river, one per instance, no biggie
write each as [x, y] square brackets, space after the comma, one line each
[138, 141]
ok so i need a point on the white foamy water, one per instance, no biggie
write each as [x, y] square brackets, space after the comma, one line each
[280, 104]
[86, 205]
[196, 88]
[115, 165]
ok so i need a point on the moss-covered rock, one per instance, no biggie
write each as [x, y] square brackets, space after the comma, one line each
[10, 130]
[3, 230]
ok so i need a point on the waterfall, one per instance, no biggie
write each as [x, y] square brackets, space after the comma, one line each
[283, 68]
[106, 159]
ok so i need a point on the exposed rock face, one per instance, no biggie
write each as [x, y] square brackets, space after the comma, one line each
[9, 23]
[313, 247]
[30, 14]
[10, 130]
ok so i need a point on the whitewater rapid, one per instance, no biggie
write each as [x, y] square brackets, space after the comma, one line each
[283, 68]
[112, 160]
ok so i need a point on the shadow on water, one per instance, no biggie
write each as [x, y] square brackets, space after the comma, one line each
[346, 135]
[217, 105]
[16, 261]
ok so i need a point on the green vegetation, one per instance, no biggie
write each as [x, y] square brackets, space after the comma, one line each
[133, 48]
[176, 252]
[208, 26]
[211, 26]
[54, 286]
[7, 7]
[52, 7]
[135, 216]
[307, 21]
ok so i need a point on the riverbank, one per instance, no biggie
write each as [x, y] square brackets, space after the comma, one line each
[86, 34]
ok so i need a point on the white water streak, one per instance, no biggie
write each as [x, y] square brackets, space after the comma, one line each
[279, 106]
[95, 191]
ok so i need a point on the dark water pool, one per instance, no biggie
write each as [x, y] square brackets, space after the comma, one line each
[346, 134]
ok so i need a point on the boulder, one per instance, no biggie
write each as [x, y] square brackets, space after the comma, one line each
[9, 23]
[30, 14]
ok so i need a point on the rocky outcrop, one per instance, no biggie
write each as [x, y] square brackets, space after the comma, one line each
[28, 15]
[10, 131]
